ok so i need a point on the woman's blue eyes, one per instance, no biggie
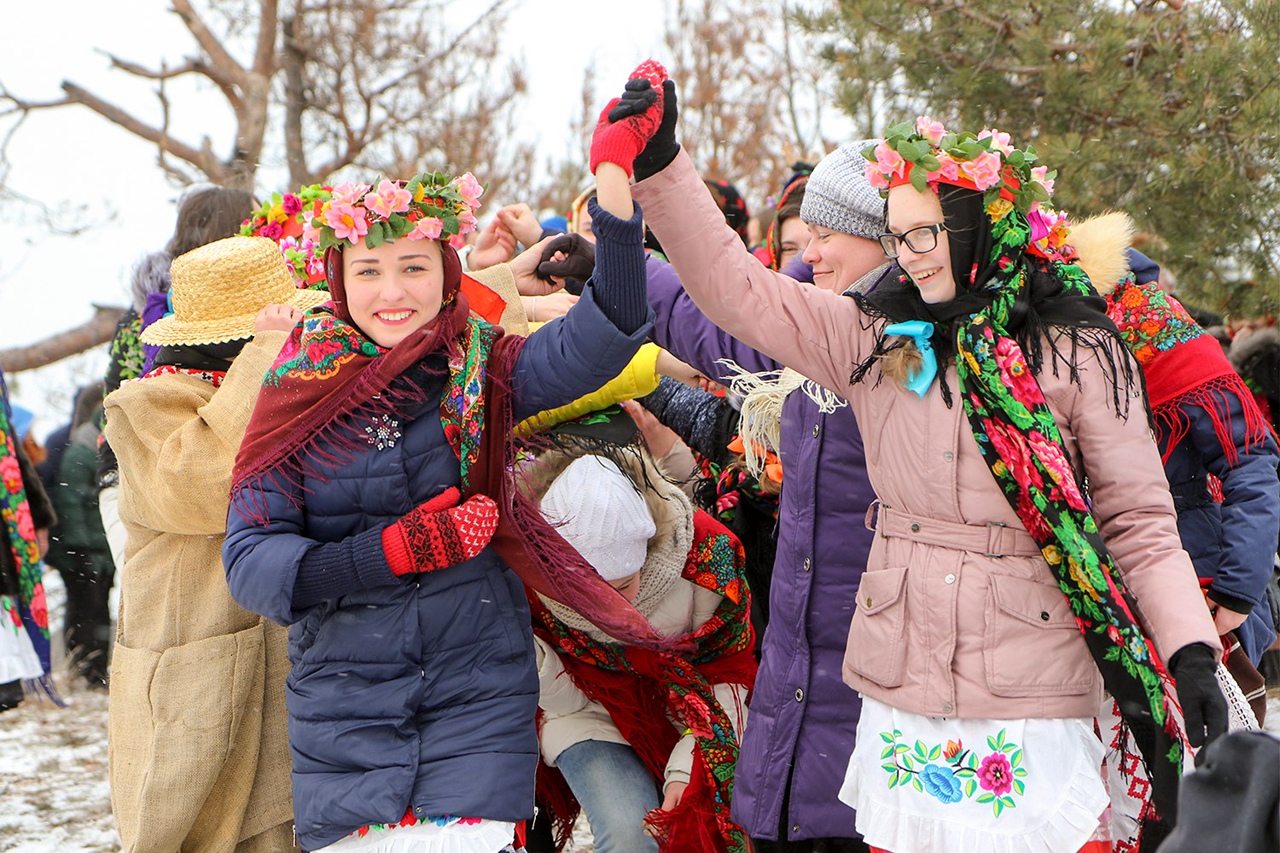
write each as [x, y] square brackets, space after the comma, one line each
[368, 271]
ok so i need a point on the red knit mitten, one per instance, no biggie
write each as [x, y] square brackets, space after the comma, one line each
[620, 141]
[440, 533]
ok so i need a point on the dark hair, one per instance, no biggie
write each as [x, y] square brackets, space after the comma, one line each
[790, 207]
[208, 215]
[88, 403]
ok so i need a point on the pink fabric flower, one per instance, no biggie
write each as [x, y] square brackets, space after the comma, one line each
[995, 774]
[292, 204]
[389, 198]
[1055, 462]
[10, 473]
[466, 222]
[349, 193]
[949, 168]
[272, 231]
[347, 221]
[1040, 174]
[890, 161]
[1011, 445]
[40, 608]
[428, 228]
[310, 233]
[26, 527]
[875, 177]
[1016, 375]
[931, 130]
[470, 189]
[999, 140]
[984, 170]
[1041, 225]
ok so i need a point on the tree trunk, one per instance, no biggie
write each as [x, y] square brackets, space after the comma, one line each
[97, 330]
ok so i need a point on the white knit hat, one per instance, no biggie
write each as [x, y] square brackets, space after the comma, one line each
[597, 509]
[839, 197]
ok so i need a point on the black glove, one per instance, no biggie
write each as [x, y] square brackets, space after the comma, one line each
[662, 147]
[1203, 706]
[577, 265]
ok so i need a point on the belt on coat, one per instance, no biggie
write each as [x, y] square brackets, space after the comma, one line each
[992, 539]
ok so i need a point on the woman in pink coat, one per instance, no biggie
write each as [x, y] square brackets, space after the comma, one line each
[1027, 553]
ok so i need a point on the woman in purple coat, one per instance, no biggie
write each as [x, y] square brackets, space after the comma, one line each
[785, 784]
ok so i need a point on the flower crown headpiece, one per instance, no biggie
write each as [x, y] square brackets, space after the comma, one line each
[926, 153]
[283, 218]
[431, 206]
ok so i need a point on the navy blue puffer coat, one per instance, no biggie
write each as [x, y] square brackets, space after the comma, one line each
[416, 691]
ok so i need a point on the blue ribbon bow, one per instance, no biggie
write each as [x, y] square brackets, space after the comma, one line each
[920, 332]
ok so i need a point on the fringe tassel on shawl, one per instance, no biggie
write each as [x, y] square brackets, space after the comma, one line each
[763, 395]
[44, 688]
[1214, 397]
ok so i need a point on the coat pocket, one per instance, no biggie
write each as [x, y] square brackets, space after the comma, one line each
[877, 648]
[1033, 646]
[181, 720]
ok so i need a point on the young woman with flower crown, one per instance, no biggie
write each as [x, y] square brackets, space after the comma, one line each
[1023, 517]
[374, 511]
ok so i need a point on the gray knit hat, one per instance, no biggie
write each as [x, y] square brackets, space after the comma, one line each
[838, 196]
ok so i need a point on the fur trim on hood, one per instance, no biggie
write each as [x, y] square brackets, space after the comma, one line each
[1101, 243]
[150, 275]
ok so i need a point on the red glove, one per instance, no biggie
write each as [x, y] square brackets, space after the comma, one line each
[620, 141]
[440, 533]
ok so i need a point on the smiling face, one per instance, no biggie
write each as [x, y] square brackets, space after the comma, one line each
[793, 237]
[931, 270]
[395, 289]
[840, 259]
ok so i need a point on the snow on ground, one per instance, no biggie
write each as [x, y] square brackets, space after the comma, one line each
[54, 796]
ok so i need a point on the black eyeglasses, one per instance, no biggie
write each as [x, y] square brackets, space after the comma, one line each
[919, 240]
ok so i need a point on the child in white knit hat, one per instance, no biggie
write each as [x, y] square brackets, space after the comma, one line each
[644, 741]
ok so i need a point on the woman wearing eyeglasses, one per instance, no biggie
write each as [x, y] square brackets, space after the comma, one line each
[1023, 516]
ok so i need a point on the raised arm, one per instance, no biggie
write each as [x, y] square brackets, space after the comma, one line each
[580, 352]
[683, 330]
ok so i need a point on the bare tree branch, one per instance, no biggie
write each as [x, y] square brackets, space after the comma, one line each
[209, 43]
[117, 115]
[97, 330]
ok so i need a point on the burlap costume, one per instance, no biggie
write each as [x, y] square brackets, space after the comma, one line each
[198, 746]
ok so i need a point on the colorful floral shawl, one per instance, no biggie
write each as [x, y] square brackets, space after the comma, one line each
[20, 539]
[1183, 366]
[645, 690]
[302, 426]
[1019, 439]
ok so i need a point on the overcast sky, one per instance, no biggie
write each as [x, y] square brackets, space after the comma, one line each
[69, 157]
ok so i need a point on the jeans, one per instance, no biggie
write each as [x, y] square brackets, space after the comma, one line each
[616, 792]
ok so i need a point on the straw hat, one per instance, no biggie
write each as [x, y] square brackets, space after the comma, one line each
[219, 288]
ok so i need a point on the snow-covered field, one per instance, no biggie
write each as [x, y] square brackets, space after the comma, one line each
[54, 796]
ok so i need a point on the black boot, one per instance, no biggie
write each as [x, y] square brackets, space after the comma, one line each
[10, 695]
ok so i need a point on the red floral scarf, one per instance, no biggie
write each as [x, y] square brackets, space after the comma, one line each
[1182, 366]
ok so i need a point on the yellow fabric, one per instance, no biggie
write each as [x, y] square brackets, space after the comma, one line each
[197, 735]
[639, 378]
